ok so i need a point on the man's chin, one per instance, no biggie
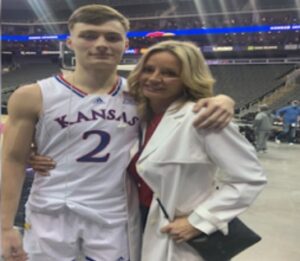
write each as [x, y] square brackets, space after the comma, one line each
[105, 65]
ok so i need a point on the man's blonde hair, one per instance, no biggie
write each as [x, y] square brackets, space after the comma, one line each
[195, 74]
[96, 14]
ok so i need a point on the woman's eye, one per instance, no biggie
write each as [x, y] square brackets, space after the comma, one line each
[147, 70]
[169, 73]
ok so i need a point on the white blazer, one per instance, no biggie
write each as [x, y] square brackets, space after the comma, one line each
[180, 165]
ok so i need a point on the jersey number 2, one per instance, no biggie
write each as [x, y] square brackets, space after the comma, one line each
[91, 156]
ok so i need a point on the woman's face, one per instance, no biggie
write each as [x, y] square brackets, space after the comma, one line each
[160, 78]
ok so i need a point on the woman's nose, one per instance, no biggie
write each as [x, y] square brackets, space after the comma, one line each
[155, 76]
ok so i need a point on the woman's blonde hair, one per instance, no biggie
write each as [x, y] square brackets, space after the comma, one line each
[97, 14]
[195, 74]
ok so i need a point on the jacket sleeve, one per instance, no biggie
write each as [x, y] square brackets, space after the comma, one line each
[280, 112]
[241, 181]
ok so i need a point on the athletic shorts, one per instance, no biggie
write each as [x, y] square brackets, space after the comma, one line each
[66, 236]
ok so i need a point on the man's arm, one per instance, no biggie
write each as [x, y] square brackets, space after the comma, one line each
[23, 110]
[279, 113]
[256, 122]
[219, 112]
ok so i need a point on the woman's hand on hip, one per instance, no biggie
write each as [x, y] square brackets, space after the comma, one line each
[181, 230]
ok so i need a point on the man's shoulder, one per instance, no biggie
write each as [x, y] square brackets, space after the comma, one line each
[27, 98]
[260, 115]
[29, 91]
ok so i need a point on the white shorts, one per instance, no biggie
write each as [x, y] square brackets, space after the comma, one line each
[65, 236]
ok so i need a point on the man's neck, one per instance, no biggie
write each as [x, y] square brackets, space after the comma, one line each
[93, 81]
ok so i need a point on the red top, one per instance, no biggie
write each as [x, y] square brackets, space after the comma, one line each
[145, 193]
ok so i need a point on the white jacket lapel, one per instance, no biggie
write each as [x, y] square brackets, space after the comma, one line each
[169, 123]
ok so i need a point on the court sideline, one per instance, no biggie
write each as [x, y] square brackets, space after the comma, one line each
[275, 214]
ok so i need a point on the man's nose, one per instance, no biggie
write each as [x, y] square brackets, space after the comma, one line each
[101, 42]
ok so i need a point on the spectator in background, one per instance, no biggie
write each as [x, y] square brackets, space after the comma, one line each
[289, 116]
[262, 126]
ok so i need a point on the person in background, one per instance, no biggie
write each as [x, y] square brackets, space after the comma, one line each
[289, 115]
[262, 126]
[87, 122]
[177, 164]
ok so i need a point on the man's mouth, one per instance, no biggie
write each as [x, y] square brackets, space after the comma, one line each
[101, 55]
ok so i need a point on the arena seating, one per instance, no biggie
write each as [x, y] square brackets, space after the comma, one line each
[28, 73]
[245, 83]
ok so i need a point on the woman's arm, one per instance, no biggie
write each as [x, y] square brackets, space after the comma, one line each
[240, 182]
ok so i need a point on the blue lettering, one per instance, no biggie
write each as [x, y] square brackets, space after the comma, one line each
[96, 115]
[111, 115]
[62, 122]
[81, 117]
[133, 121]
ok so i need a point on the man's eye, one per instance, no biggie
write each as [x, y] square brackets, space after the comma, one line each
[113, 37]
[89, 36]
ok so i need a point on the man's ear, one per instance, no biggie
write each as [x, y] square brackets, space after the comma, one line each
[69, 43]
[126, 43]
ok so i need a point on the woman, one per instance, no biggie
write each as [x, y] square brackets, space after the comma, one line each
[179, 163]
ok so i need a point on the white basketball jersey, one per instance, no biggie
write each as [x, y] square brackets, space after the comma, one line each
[89, 136]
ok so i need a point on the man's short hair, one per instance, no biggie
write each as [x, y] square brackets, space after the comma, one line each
[264, 107]
[96, 14]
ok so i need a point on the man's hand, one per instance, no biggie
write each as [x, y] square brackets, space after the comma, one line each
[181, 230]
[12, 248]
[219, 112]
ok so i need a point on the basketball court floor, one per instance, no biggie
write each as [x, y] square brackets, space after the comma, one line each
[275, 215]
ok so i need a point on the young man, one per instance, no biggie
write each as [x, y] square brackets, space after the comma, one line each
[87, 123]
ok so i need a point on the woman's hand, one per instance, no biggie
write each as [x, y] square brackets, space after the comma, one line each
[41, 164]
[181, 230]
[219, 112]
